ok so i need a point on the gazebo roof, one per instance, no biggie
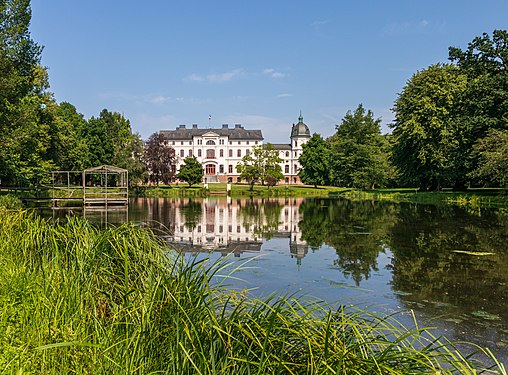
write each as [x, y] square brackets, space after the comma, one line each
[105, 168]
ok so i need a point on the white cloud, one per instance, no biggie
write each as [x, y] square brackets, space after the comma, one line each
[273, 73]
[284, 95]
[216, 77]
[397, 28]
[194, 78]
[224, 77]
[159, 99]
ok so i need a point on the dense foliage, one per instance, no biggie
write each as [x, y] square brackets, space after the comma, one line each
[315, 161]
[445, 112]
[160, 159]
[39, 135]
[191, 171]
[262, 164]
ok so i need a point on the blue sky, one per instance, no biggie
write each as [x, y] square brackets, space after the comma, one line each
[258, 63]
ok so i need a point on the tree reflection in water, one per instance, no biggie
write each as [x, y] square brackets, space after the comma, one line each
[357, 231]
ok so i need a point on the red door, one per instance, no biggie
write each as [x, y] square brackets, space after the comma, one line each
[210, 169]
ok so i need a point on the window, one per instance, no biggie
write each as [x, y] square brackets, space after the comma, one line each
[210, 142]
[239, 142]
[256, 142]
[173, 143]
[230, 169]
[210, 154]
[200, 142]
[190, 152]
[287, 154]
[247, 152]
[247, 142]
[199, 153]
[181, 143]
[238, 179]
[239, 153]
[221, 168]
[230, 142]
[182, 152]
[221, 153]
[287, 169]
[296, 143]
[230, 153]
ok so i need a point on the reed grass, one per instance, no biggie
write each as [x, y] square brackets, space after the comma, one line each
[77, 299]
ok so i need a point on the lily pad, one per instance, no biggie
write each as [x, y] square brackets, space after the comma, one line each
[401, 293]
[477, 253]
[485, 315]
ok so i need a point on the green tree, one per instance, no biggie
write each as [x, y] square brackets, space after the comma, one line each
[315, 162]
[23, 97]
[484, 102]
[358, 155]
[493, 157]
[159, 158]
[191, 171]
[424, 131]
[260, 165]
[131, 158]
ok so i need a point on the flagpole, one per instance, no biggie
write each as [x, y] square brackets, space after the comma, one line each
[209, 119]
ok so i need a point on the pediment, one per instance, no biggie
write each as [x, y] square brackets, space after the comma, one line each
[210, 134]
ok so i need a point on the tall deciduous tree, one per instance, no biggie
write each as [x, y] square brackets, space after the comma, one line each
[191, 171]
[261, 164]
[424, 130]
[484, 103]
[315, 162]
[358, 155]
[160, 159]
[493, 158]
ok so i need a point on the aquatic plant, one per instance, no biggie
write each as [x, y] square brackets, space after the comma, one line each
[77, 299]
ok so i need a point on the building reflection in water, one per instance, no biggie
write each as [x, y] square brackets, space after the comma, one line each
[230, 225]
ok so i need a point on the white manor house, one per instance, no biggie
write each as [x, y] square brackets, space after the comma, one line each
[220, 150]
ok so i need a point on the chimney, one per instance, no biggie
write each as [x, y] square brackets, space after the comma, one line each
[194, 126]
[238, 126]
[224, 126]
[181, 127]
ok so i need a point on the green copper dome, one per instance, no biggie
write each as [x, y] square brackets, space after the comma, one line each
[300, 129]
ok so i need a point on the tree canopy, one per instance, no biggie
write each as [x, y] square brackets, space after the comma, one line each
[191, 171]
[160, 159]
[260, 165]
[315, 162]
[358, 151]
[424, 129]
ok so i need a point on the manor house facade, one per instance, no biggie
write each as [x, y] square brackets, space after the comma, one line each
[220, 150]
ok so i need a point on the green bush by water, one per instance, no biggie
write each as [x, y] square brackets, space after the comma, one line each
[10, 202]
[76, 299]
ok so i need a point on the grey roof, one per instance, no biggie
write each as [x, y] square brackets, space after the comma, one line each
[300, 129]
[281, 146]
[233, 134]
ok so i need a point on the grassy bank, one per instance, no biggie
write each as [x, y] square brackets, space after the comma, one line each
[237, 190]
[76, 299]
[473, 198]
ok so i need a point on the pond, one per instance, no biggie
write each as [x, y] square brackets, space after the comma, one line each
[447, 264]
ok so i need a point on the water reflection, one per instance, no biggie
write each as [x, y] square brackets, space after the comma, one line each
[224, 225]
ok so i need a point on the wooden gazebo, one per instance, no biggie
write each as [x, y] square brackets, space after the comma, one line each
[105, 186]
